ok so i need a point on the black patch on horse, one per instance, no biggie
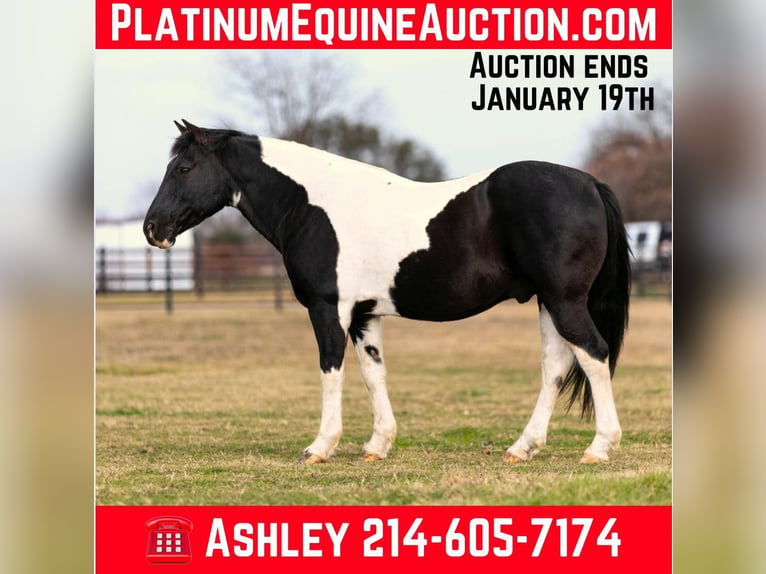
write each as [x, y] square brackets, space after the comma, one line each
[465, 269]
[360, 316]
[372, 350]
[278, 207]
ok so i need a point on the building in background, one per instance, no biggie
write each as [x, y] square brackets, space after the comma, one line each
[124, 261]
[651, 244]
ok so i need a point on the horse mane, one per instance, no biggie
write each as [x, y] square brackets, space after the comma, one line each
[215, 139]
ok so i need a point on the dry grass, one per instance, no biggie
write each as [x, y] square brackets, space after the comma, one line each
[214, 404]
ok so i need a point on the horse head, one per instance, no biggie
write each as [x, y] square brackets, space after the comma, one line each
[195, 186]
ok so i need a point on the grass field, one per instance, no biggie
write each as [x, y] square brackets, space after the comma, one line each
[214, 404]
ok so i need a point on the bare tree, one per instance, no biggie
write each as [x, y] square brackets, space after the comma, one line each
[634, 155]
[309, 97]
[291, 91]
[366, 142]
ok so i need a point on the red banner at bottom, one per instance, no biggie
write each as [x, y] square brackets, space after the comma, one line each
[268, 539]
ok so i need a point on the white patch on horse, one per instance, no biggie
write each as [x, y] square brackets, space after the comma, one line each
[379, 218]
[235, 198]
[331, 423]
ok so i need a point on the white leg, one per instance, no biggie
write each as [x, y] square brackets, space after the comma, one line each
[330, 326]
[557, 357]
[369, 350]
[608, 432]
[331, 422]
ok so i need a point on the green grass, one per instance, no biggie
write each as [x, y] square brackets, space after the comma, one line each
[214, 404]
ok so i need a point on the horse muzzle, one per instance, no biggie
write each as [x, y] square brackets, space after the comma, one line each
[168, 241]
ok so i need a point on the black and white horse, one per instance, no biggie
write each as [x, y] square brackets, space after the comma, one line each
[359, 243]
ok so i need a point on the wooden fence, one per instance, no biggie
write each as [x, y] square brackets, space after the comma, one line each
[205, 267]
[247, 266]
[653, 279]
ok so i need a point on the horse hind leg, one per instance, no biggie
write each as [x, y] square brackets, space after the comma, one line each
[557, 358]
[368, 344]
[608, 431]
[574, 323]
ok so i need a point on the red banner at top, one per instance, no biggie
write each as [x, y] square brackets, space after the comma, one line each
[370, 24]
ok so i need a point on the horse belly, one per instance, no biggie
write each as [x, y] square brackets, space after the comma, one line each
[437, 291]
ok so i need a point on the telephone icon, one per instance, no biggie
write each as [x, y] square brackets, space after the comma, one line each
[168, 540]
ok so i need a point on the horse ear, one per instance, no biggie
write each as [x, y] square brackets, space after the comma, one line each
[180, 127]
[198, 133]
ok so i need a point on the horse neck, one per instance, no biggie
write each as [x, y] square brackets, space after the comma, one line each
[270, 200]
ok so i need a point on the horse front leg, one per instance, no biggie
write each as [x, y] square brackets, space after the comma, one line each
[369, 351]
[331, 338]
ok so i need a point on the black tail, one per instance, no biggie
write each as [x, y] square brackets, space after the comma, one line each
[608, 300]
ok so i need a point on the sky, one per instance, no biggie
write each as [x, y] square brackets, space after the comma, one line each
[421, 94]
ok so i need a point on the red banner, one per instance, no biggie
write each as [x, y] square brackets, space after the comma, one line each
[587, 539]
[400, 24]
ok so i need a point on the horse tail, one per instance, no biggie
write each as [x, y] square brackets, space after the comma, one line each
[608, 300]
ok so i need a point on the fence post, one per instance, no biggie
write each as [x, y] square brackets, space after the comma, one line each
[148, 268]
[101, 283]
[168, 282]
[199, 280]
[639, 279]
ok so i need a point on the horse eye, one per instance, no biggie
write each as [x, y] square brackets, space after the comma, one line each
[184, 169]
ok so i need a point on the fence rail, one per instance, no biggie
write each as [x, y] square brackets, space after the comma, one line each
[249, 266]
[653, 279]
[225, 267]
